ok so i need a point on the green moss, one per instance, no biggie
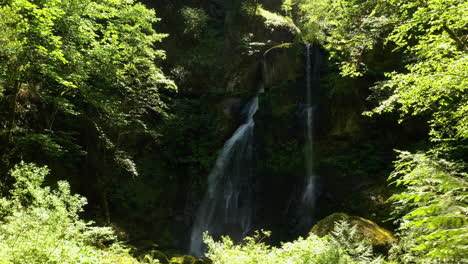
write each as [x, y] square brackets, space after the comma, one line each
[283, 64]
[187, 260]
[284, 157]
[367, 229]
[274, 20]
[280, 46]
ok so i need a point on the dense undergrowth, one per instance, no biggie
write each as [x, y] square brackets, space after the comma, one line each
[41, 224]
[342, 246]
[82, 90]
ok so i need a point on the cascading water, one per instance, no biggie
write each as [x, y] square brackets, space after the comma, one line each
[227, 208]
[309, 194]
[307, 201]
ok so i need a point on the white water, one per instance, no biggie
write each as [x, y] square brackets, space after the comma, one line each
[308, 197]
[227, 207]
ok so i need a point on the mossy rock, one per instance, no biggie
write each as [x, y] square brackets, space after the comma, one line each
[283, 63]
[188, 260]
[275, 21]
[378, 236]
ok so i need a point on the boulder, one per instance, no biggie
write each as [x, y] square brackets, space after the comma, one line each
[376, 235]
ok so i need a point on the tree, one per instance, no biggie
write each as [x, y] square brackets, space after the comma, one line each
[93, 60]
[347, 29]
[431, 38]
[70, 53]
[431, 35]
[432, 209]
[42, 224]
[195, 21]
[78, 76]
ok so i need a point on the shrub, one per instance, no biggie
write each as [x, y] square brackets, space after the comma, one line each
[431, 209]
[195, 20]
[42, 224]
[342, 247]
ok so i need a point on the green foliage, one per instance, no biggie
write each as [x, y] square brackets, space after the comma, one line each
[348, 29]
[249, 7]
[273, 20]
[286, 6]
[192, 117]
[200, 47]
[430, 34]
[40, 142]
[195, 20]
[435, 83]
[42, 225]
[66, 44]
[207, 56]
[433, 209]
[342, 247]
[431, 39]
[345, 236]
[92, 61]
[284, 157]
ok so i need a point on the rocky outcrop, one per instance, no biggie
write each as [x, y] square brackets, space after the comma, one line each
[284, 62]
[366, 229]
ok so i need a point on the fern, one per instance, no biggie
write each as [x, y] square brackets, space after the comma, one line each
[433, 209]
[345, 237]
[342, 247]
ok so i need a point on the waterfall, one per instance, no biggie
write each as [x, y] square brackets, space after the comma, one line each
[227, 208]
[307, 201]
[308, 197]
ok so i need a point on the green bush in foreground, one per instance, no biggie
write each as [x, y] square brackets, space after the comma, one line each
[341, 247]
[41, 225]
[431, 209]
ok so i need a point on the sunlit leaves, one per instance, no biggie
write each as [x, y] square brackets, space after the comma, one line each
[434, 210]
[41, 224]
[95, 60]
[67, 46]
[348, 29]
[431, 37]
[343, 246]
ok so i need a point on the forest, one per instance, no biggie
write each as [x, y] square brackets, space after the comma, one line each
[234, 131]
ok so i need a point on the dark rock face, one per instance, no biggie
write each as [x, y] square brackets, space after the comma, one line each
[224, 56]
[228, 60]
[283, 63]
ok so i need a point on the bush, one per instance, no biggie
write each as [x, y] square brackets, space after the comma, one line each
[431, 209]
[195, 20]
[341, 248]
[42, 225]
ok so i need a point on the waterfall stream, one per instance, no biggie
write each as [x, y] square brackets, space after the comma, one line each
[308, 197]
[227, 208]
[309, 191]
